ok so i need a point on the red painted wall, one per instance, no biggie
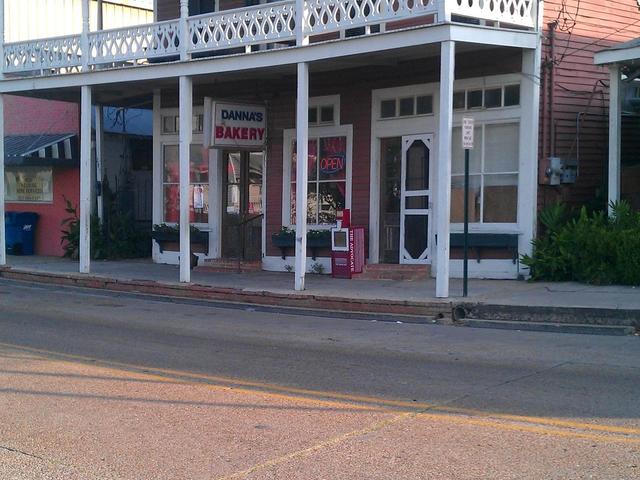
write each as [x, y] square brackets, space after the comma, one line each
[26, 116]
[580, 88]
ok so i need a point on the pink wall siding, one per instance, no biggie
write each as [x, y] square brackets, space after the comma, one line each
[26, 116]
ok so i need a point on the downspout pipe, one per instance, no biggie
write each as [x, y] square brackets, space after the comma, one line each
[552, 89]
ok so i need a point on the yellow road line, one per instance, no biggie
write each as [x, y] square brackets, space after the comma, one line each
[341, 400]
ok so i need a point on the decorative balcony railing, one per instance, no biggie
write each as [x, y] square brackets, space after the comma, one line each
[272, 23]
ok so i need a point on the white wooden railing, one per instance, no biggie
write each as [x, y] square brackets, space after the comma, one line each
[273, 23]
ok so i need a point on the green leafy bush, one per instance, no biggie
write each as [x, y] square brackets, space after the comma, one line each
[587, 247]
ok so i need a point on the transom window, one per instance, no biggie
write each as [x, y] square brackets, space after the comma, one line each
[171, 124]
[406, 106]
[485, 98]
[324, 110]
[493, 175]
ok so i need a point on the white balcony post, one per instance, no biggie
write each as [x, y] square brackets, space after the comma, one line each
[302, 138]
[84, 39]
[443, 205]
[99, 162]
[444, 11]
[85, 179]
[3, 244]
[615, 124]
[184, 30]
[302, 15]
[1, 41]
[186, 129]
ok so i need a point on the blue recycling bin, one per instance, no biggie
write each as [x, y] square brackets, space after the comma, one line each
[20, 230]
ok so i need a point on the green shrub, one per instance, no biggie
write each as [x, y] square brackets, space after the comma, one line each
[588, 247]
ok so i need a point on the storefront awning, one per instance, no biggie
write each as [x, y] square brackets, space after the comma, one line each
[46, 150]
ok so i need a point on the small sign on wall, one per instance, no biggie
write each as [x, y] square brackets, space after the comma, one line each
[238, 125]
[28, 184]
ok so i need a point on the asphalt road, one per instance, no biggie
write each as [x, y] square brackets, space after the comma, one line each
[100, 385]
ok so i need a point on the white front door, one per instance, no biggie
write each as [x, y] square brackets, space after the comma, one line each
[415, 200]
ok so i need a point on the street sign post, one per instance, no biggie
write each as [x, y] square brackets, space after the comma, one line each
[467, 144]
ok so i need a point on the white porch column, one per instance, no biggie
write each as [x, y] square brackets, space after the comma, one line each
[615, 136]
[302, 139]
[3, 252]
[528, 178]
[302, 14]
[84, 38]
[186, 128]
[158, 209]
[85, 179]
[99, 161]
[184, 29]
[443, 200]
[3, 243]
[215, 183]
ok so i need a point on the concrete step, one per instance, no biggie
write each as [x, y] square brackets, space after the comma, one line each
[229, 265]
[385, 271]
[549, 327]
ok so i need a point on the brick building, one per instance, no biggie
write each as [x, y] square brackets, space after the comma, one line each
[375, 92]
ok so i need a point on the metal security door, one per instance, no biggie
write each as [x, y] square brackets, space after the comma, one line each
[415, 200]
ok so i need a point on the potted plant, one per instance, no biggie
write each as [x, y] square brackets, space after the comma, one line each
[168, 237]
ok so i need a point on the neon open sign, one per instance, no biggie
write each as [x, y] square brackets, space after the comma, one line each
[332, 164]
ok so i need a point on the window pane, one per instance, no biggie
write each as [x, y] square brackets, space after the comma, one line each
[312, 173]
[388, 108]
[326, 114]
[424, 105]
[493, 98]
[199, 168]
[255, 167]
[500, 199]
[233, 199]
[313, 115]
[333, 158]
[416, 230]
[474, 99]
[417, 203]
[169, 124]
[171, 167]
[457, 198]
[457, 152]
[511, 95]
[255, 199]
[199, 203]
[171, 202]
[501, 151]
[312, 204]
[331, 199]
[417, 167]
[406, 106]
[234, 167]
[459, 100]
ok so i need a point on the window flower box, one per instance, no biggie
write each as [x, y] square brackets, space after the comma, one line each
[316, 239]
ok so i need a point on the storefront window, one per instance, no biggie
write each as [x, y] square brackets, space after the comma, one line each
[198, 185]
[493, 175]
[327, 164]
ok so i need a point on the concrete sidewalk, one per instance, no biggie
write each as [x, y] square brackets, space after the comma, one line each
[324, 292]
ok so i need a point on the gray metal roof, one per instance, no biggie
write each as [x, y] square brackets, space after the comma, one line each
[45, 149]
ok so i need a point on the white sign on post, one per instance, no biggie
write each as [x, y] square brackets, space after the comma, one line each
[467, 133]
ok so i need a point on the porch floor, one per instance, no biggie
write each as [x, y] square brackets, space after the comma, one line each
[494, 292]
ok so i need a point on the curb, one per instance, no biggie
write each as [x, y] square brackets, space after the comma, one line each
[585, 316]
[431, 310]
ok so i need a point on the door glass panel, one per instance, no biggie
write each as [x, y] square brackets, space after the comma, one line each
[417, 166]
[255, 167]
[233, 199]
[415, 234]
[390, 177]
[417, 203]
[234, 167]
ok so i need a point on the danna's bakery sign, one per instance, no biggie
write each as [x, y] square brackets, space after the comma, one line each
[238, 125]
